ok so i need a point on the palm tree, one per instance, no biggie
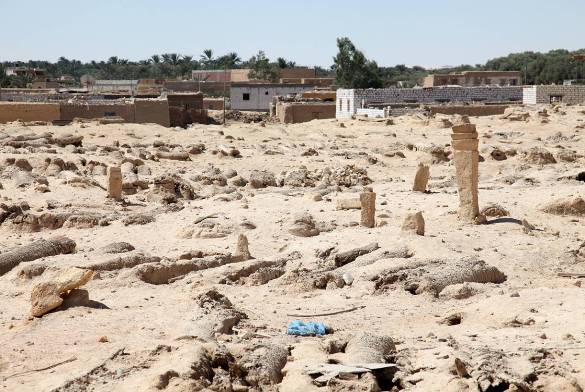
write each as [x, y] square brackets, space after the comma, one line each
[175, 58]
[155, 58]
[186, 65]
[207, 55]
[230, 60]
[171, 58]
[207, 58]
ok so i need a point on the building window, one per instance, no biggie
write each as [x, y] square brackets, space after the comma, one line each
[266, 93]
[556, 98]
[512, 82]
[340, 105]
[348, 105]
[246, 96]
[110, 114]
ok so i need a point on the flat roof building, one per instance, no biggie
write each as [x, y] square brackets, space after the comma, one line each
[258, 96]
[220, 75]
[474, 79]
[25, 71]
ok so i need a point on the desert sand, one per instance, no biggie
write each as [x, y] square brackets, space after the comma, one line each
[178, 307]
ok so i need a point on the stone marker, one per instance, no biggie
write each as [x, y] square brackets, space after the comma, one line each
[242, 252]
[114, 182]
[421, 178]
[414, 223]
[368, 201]
[465, 143]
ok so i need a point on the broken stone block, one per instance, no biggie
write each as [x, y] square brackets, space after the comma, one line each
[304, 226]
[414, 223]
[47, 296]
[349, 204]
[421, 178]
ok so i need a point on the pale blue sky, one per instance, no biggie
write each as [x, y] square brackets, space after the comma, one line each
[424, 32]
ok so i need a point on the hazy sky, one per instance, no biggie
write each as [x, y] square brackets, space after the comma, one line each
[423, 32]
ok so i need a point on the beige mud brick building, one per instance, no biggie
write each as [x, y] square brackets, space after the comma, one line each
[474, 78]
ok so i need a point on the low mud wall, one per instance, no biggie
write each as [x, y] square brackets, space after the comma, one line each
[474, 111]
[29, 111]
[152, 111]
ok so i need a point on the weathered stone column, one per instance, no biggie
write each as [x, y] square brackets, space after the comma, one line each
[421, 178]
[368, 201]
[242, 251]
[465, 143]
[114, 182]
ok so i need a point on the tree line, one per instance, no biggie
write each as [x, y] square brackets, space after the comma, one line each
[350, 67]
[354, 70]
[158, 66]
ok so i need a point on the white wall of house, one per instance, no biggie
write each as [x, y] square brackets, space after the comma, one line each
[258, 97]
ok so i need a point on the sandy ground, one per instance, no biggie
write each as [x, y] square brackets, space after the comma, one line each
[523, 334]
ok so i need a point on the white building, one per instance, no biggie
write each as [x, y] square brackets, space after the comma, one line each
[372, 101]
[258, 96]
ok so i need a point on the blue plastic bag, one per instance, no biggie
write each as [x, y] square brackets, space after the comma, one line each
[310, 328]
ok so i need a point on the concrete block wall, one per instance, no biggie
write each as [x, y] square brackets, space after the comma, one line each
[349, 100]
[553, 93]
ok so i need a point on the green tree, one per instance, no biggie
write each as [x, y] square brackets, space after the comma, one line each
[207, 60]
[230, 60]
[283, 63]
[262, 69]
[353, 69]
[186, 65]
[554, 66]
[3, 78]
